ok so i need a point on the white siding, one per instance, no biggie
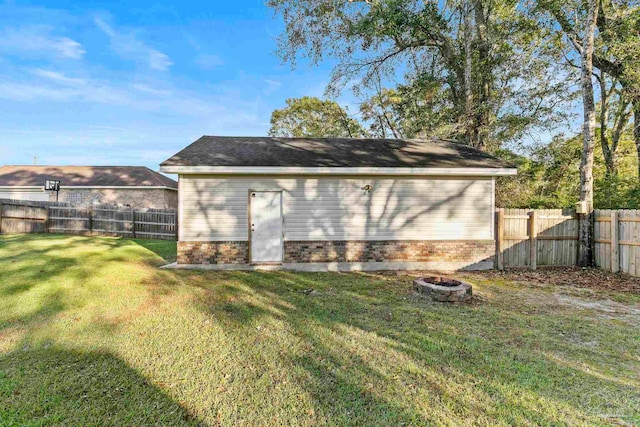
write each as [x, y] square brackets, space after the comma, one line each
[33, 195]
[336, 208]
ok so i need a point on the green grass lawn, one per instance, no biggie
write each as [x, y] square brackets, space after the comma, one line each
[92, 333]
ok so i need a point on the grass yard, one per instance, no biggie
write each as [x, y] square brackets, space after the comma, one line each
[92, 333]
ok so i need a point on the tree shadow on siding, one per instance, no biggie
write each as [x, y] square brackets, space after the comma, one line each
[385, 217]
[318, 223]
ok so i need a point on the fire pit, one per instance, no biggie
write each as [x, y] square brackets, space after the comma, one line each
[444, 289]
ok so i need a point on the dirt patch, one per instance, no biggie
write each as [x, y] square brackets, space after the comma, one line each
[589, 278]
[608, 308]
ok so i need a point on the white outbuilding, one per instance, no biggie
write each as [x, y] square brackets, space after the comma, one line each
[335, 203]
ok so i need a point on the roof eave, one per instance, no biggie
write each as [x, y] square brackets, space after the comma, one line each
[90, 187]
[275, 170]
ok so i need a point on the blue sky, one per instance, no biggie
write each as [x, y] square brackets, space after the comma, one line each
[131, 83]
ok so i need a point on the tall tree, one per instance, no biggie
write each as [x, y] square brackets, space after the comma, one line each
[383, 113]
[617, 46]
[549, 176]
[416, 110]
[314, 117]
[413, 42]
[611, 98]
[473, 137]
[589, 127]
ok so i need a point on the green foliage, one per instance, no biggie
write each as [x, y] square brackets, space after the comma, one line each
[617, 44]
[485, 73]
[549, 177]
[417, 110]
[420, 47]
[313, 117]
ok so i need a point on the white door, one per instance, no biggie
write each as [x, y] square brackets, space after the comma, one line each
[266, 226]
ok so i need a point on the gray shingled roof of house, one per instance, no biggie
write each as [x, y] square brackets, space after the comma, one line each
[85, 176]
[331, 152]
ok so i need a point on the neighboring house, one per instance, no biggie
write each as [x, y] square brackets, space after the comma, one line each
[333, 203]
[134, 186]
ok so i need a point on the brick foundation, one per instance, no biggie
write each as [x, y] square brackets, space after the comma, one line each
[436, 251]
[213, 253]
[424, 251]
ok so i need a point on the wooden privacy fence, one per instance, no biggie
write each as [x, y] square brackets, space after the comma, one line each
[532, 238]
[549, 237]
[19, 216]
[524, 237]
[617, 240]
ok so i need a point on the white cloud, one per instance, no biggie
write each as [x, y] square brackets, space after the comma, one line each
[141, 87]
[18, 91]
[209, 62]
[38, 41]
[58, 77]
[69, 48]
[105, 27]
[272, 85]
[42, 85]
[158, 60]
[54, 86]
[128, 46]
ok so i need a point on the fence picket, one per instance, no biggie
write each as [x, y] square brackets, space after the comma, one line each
[20, 216]
[555, 237]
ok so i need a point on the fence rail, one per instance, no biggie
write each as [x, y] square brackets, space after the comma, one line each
[20, 216]
[532, 238]
[617, 240]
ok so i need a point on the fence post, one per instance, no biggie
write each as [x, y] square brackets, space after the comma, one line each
[133, 222]
[500, 239]
[90, 212]
[615, 257]
[46, 218]
[1, 217]
[533, 241]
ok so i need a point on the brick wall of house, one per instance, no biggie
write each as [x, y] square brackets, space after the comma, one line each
[170, 199]
[442, 251]
[134, 198]
[213, 253]
[434, 251]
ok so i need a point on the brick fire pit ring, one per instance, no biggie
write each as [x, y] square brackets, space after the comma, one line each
[443, 289]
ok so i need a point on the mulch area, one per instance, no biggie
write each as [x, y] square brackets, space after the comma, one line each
[569, 276]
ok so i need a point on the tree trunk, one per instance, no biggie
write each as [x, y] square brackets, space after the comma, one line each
[469, 120]
[607, 150]
[636, 129]
[585, 253]
[484, 74]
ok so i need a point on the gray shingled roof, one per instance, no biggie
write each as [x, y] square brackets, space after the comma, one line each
[89, 176]
[330, 152]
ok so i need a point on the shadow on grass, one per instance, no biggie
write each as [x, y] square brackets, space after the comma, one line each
[457, 353]
[52, 386]
[165, 249]
[363, 349]
[43, 275]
